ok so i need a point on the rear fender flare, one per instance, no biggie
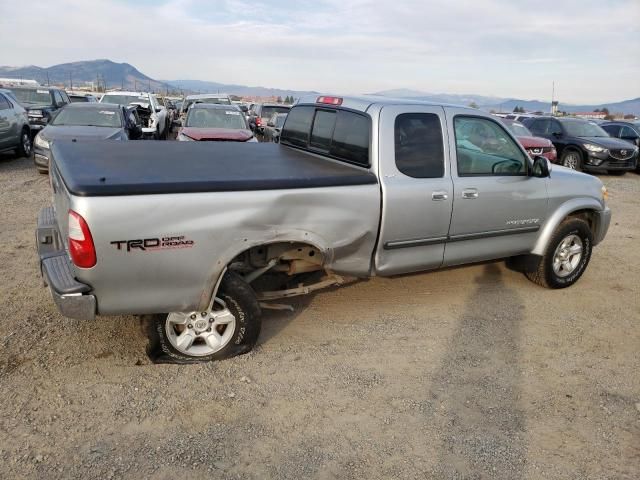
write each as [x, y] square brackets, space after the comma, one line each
[562, 212]
[220, 266]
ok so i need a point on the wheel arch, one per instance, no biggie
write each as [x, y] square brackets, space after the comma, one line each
[293, 239]
[584, 208]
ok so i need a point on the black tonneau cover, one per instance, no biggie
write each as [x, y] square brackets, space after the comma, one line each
[100, 168]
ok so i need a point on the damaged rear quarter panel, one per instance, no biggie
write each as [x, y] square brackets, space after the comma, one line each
[342, 222]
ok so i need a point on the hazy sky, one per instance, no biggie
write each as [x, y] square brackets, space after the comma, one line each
[508, 48]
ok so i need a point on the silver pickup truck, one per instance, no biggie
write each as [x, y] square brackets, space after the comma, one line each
[197, 237]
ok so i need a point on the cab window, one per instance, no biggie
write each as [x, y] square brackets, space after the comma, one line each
[419, 147]
[485, 148]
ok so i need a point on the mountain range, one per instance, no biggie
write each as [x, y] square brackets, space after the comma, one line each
[123, 75]
[508, 104]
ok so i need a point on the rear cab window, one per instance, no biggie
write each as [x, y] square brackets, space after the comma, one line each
[419, 150]
[337, 133]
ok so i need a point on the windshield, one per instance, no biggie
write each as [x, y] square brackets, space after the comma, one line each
[87, 117]
[124, 99]
[215, 118]
[268, 111]
[577, 128]
[32, 97]
[519, 130]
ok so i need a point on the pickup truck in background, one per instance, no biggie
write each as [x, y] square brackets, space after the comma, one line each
[197, 237]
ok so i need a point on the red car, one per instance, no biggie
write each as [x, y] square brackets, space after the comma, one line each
[533, 145]
[209, 122]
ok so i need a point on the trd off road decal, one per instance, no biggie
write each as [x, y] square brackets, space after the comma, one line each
[152, 244]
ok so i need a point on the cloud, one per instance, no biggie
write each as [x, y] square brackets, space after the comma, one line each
[499, 47]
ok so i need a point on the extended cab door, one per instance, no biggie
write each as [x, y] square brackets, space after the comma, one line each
[497, 207]
[416, 185]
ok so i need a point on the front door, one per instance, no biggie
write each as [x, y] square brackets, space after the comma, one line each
[415, 176]
[498, 208]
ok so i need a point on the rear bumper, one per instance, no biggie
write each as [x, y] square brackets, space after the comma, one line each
[72, 298]
[604, 220]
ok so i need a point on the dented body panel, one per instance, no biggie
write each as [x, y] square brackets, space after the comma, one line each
[340, 222]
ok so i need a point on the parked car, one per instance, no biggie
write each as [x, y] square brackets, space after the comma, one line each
[212, 98]
[261, 112]
[207, 121]
[583, 145]
[41, 104]
[153, 115]
[15, 133]
[273, 127]
[82, 98]
[628, 131]
[86, 121]
[533, 145]
[357, 187]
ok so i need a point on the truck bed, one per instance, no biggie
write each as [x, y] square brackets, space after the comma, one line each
[96, 168]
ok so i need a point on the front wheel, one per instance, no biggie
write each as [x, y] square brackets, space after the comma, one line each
[566, 256]
[572, 159]
[24, 149]
[231, 327]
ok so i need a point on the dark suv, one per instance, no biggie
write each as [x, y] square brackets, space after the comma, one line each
[260, 114]
[583, 145]
[41, 103]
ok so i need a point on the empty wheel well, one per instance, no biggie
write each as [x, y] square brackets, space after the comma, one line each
[277, 263]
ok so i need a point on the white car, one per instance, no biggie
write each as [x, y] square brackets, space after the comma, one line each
[153, 115]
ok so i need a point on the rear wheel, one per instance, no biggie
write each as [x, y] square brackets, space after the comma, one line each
[572, 159]
[231, 327]
[566, 256]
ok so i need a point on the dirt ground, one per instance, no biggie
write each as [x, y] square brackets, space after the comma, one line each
[468, 373]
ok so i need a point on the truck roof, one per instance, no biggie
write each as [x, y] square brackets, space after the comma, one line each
[92, 168]
[363, 102]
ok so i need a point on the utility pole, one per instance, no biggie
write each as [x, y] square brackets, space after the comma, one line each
[70, 81]
[553, 94]
[48, 79]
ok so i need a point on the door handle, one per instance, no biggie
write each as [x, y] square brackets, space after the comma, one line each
[470, 193]
[439, 196]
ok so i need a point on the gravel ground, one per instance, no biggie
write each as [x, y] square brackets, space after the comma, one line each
[467, 373]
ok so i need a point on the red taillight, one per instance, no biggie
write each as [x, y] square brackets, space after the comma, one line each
[330, 100]
[81, 248]
[258, 121]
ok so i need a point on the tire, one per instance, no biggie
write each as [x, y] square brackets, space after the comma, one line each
[571, 159]
[240, 301]
[577, 233]
[26, 144]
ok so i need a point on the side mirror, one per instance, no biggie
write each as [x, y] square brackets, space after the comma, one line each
[270, 124]
[159, 109]
[557, 134]
[541, 167]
